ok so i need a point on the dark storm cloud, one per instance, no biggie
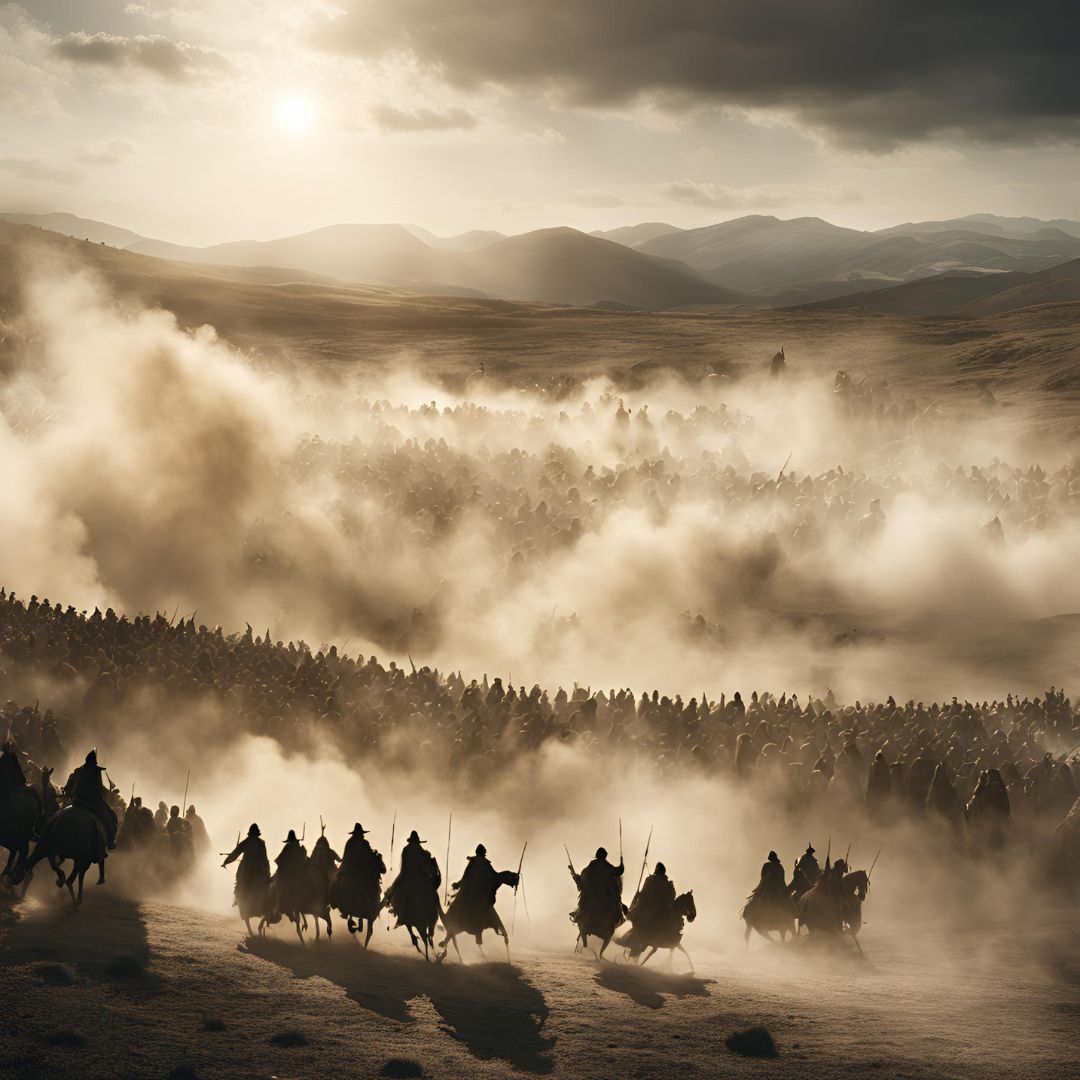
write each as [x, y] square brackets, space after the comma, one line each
[390, 119]
[870, 72]
[170, 60]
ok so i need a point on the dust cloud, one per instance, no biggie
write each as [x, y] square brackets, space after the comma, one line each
[792, 534]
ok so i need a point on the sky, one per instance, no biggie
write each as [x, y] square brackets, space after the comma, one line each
[199, 121]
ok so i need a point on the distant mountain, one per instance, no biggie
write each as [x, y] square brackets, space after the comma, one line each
[967, 294]
[564, 266]
[635, 235]
[755, 260]
[82, 228]
[561, 266]
[778, 260]
[466, 241]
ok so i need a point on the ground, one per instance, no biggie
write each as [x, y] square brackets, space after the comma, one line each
[139, 989]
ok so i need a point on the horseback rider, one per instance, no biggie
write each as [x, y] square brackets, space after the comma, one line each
[773, 882]
[473, 907]
[356, 891]
[413, 895]
[86, 790]
[200, 838]
[652, 913]
[417, 864]
[599, 891]
[806, 873]
[250, 893]
[291, 875]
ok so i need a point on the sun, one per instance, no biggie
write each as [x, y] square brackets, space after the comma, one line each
[295, 114]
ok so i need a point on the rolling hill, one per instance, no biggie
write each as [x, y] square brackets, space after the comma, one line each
[788, 262]
[966, 294]
[755, 260]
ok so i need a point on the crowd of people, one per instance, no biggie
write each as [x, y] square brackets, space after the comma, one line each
[980, 762]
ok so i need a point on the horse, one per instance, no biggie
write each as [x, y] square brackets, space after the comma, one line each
[684, 909]
[355, 892]
[73, 833]
[599, 924]
[22, 816]
[832, 907]
[321, 872]
[766, 914]
[459, 918]
[414, 900]
[298, 902]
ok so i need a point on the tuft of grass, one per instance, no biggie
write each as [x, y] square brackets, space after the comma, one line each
[70, 1039]
[125, 967]
[402, 1069]
[212, 1023]
[287, 1039]
[753, 1042]
[54, 974]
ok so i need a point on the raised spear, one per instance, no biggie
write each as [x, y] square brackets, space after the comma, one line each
[521, 863]
[644, 863]
[446, 878]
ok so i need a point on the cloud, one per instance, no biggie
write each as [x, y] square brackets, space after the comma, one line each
[390, 118]
[169, 60]
[110, 153]
[40, 171]
[875, 75]
[774, 196]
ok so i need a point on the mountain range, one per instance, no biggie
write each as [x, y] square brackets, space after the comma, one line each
[930, 267]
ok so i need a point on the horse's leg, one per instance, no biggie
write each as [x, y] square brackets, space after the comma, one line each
[247, 923]
[457, 950]
[687, 955]
[854, 937]
[606, 943]
[370, 930]
[648, 956]
[295, 918]
[82, 874]
[101, 871]
[54, 862]
[316, 928]
[749, 931]
[329, 925]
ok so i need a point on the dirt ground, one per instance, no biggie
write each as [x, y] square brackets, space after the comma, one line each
[130, 989]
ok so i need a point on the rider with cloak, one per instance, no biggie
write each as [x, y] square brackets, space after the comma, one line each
[252, 889]
[417, 883]
[86, 790]
[599, 893]
[291, 875]
[472, 910]
[806, 873]
[357, 891]
[652, 914]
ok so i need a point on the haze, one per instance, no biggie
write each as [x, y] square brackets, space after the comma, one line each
[201, 122]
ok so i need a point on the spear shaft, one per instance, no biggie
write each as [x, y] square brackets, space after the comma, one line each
[446, 879]
[644, 862]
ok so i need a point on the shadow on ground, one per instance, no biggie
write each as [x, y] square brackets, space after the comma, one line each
[105, 942]
[649, 987]
[489, 1008]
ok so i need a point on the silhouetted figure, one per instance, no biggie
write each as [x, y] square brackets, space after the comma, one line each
[251, 893]
[472, 909]
[357, 890]
[600, 910]
[413, 895]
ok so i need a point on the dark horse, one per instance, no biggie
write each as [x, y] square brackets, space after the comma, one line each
[23, 812]
[669, 937]
[414, 899]
[71, 833]
[766, 913]
[462, 917]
